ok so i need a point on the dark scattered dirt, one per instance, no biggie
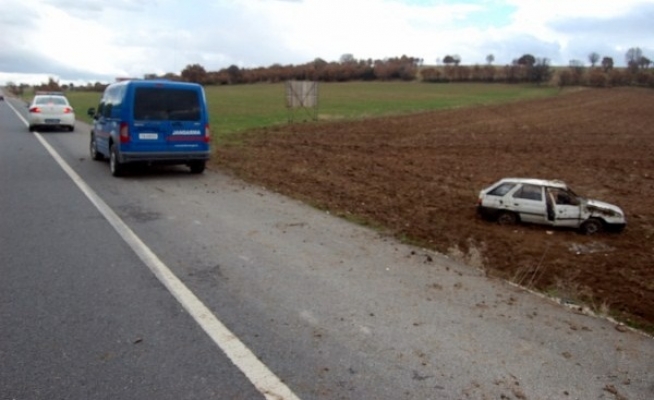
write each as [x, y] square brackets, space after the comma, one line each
[418, 177]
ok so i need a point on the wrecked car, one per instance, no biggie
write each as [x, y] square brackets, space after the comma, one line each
[547, 202]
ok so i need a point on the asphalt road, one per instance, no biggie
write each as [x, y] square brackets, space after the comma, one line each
[330, 310]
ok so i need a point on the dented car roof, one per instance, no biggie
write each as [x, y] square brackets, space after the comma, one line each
[532, 181]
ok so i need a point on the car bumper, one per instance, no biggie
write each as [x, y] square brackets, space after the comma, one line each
[487, 212]
[616, 227]
[51, 120]
[163, 157]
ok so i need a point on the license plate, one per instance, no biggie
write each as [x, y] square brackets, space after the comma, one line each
[148, 136]
[51, 121]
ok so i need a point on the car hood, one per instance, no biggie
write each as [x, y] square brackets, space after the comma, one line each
[603, 207]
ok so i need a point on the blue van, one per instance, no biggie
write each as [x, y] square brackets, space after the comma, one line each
[151, 122]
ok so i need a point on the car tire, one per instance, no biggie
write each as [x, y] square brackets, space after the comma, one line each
[32, 128]
[507, 218]
[197, 167]
[93, 148]
[592, 226]
[115, 166]
[71, 128]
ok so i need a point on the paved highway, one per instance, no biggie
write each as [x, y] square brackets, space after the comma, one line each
[169, 285]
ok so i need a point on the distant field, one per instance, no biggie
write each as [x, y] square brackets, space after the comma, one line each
[241, 107]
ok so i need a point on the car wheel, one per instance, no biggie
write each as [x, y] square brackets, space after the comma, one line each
[197, 167]
[71, 128]
[592, 226]
[116, 167]
[507, 218]
[93, 147]
[32, 128]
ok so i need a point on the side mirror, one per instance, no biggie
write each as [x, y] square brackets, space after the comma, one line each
[91, 112]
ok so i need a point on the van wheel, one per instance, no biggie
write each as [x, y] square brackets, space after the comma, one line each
[592, 226]
[93, 147]
[507, 218]
[117, 169]
[197, 167]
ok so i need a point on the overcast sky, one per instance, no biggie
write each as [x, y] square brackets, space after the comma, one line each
[97, 40]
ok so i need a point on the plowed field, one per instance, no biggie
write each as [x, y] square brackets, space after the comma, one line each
[417, 177]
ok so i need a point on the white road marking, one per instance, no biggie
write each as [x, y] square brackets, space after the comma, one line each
[258, 373]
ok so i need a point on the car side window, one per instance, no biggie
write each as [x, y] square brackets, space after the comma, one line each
[502, 189]
[529, 192]
[563, 197]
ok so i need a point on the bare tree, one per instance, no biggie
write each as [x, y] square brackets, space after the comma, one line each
[644, 62]
[234, 73]
[527, 60]
[489, 59]
[448, 59]
[607, 64]
[593, 58]
[194, 73]
[347, 59]
[632, 57]
[540, 71]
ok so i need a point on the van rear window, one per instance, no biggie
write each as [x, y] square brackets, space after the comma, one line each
[157, 104]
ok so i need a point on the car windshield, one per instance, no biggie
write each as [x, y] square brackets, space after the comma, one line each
[60, 101]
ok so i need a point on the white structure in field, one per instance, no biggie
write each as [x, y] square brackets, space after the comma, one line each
[302, 95]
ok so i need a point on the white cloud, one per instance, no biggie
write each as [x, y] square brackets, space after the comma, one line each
[98, 40]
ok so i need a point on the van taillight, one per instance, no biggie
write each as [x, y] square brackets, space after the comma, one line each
[124, 132]
[207, 134]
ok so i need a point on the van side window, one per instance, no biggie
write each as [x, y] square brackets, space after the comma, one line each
[165, 104]
[106, 111]
[529, 192]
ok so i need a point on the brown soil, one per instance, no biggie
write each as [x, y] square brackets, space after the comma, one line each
[418, 177]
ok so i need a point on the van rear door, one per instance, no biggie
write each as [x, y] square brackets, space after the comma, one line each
[168, 118]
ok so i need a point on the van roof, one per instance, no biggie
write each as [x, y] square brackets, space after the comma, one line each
[155, 83]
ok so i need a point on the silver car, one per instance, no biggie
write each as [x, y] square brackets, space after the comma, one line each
[51, 110]
[547, 202]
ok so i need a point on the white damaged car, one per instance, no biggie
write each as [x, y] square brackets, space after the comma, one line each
[547, 202]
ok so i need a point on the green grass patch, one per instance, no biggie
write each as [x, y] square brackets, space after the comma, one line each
[237, 108]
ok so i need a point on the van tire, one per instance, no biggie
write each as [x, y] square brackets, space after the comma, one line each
[197, 167]
[93, 147]
[116, 167]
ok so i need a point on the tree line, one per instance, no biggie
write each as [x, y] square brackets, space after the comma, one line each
[525, 69]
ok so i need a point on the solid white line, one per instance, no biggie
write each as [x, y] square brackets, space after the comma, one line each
[261, 377]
